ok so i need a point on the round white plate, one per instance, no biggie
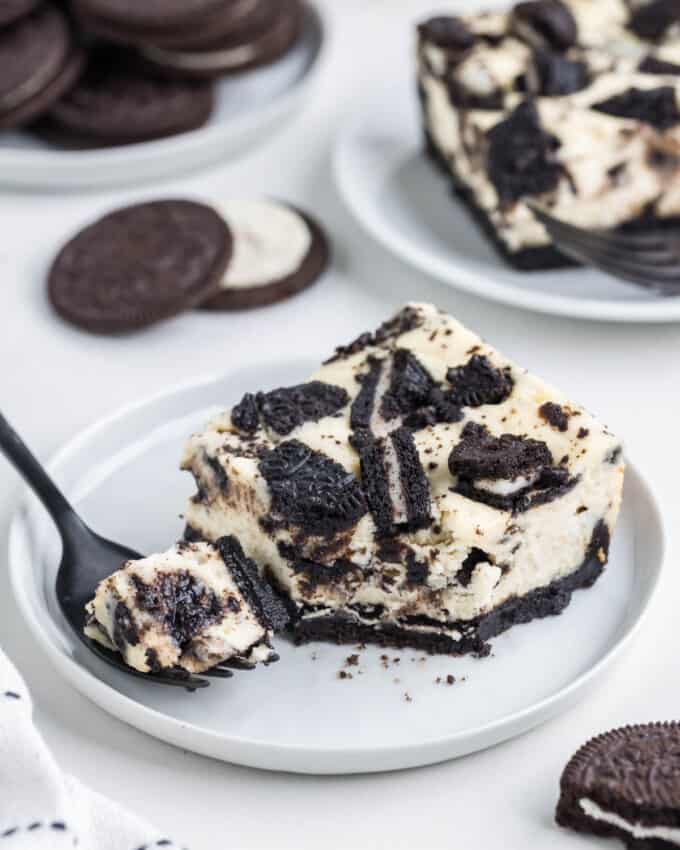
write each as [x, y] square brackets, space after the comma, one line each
[250, 106]
[297, 715]
[405, 202]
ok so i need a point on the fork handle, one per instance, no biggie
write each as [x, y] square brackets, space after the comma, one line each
[25, 462]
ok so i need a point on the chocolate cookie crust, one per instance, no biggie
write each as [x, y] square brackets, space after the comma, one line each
[140, 264]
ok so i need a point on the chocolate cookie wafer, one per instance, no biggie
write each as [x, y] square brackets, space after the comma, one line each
[116, 102]
[12, 10]
[38, 63]
[234, 20]
[278, 251]
[140, 264]
[256, 46]
[626, 784]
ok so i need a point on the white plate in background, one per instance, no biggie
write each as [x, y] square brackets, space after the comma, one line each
[402, 199]
[297, 715]
[250, 106]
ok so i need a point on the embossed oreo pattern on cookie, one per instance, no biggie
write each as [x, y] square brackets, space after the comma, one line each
[626, 784]
[117, 103]
[140, 264]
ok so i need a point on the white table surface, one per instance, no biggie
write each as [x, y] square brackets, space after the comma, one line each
[56, 379]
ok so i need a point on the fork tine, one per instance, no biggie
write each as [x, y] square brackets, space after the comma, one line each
[659, 256]
[218, 672]
[640, 241]
[644, 276]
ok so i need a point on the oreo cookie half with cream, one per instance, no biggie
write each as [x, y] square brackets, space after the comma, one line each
[626, 784]
[278, 251]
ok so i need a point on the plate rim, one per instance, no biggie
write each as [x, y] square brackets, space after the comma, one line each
[458, 275]
[60, 164]
[284, 757]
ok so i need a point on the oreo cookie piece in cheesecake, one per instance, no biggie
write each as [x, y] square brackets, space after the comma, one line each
[419, 490]
[190, 608]
[569, 104]
[626, 784]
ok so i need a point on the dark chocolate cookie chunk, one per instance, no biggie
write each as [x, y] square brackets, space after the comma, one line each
[409, 388]
[279, 250]
[287, 408]
[448, 32]
[12, 10]
[481, 455]
[180, 602]
[521, 155]
[555, 415]
[268, 607]
[33, 52]
[140, 264]
[546, 23]
[510, 473]
[310, 490]
[554, 75]
[626, 784]
[652, 65]
[651, 20]
[226, 56]
[395, 483]
[658, 107]
[406, 320]
[478, 382]
[116, 102]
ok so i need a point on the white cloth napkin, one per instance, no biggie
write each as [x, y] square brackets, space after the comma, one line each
[40, 807]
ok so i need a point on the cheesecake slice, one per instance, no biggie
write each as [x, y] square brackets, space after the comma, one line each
[573, 105]
[420, 489]
[190, 608]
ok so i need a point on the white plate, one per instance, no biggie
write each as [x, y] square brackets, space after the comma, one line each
[297, 715]
[406, 203]
[250, 106]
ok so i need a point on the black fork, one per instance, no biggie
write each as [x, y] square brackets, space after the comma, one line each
[86, 559]
[649, 258]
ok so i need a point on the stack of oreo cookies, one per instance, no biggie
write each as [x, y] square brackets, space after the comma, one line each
[108, 72]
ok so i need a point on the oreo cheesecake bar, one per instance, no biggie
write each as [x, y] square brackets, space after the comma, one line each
[419, 490]
[190, 608]
[569, 104]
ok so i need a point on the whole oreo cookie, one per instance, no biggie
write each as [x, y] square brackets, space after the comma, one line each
[114, 102]
[37, 64]
[233, 20]
[12, 10]
[231, 54]
[278, 251]
[140, 264]
[626, 784]
[153, 14]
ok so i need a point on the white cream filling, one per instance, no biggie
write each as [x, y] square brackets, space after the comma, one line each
[637, 830]
[396, 489]
[271, 242]
[505, 487]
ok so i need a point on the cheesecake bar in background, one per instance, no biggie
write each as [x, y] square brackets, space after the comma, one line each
[573, 105]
